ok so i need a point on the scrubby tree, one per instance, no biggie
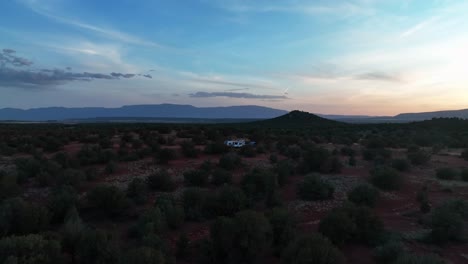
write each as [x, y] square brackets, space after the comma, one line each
[220, 176]
[352, 223]
[137, 190]
[283, 225]
[315, 188]
[108, 199]
[172, 211]
[312, 249]
[364, 194]
[60, 201]
[401, 164]
[30, 249]
[448, 222]
[386, 178]
[161, 181]
[20, 217]
[196, 178]
[230, 161]
[446, 173]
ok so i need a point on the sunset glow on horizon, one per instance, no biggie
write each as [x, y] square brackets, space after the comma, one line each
[355, 57]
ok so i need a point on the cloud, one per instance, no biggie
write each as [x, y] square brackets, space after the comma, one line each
[236, 95]
[379, 76]
[105, 32]
[418, 27]
[244, 86]
[13, 73]
[7, 57]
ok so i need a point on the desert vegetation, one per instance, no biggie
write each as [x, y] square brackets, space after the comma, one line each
[310, 191]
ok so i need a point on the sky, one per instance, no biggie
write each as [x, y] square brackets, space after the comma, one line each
[369, 57]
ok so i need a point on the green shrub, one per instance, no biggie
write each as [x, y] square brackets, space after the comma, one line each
[259, 184]
[194, 200]
[8, 185]
[21, 217]
[165, 155]
[97, 247]
[419, 157]
[364, 194]
[312, 249]
[273, 158]
[351, 222]
[189, 150]
[242, 239]
[111, 167]
[464, 154]
[151, 222]
[137, 190]
[144, 255]
[389, 252]
[401, 164]
[386, 178]
[60, 201]
[161, 181]
[283, 225]
[182, 246]
[314, 188]
[464, 175]
[418, 259]
[220, 177]
[108, 199]
[196, 178]
[172, 211]
[448, 222]
[230, 161]
[446, 173]
[229, 200]
[30, 249]
[248, 151]
[284, 170]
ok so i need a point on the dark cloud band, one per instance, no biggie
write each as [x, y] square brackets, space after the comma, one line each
[236, 95]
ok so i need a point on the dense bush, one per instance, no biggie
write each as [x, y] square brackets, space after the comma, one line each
[284, 170]
[143, 255]
[242, 239]
[352, 223]
[312, 249]
[8, 185]
[165, 155]
[261, 185]
[248, 151]
[196, 178]
[446, 173]
[230, 161]
[386, 178]
[194, 201]
[60, 201]
[188, 149]
[137, 190]
[283, 226]
[419, 157]
[418, 259]
[448, 222]
[215, 148]
[108, 199]
[220, 177]
[464, 174]
[401, 164]
[21, 217]
[171, 210]
[228, 201]
[464, 154]
[364, 194]
[97, 247]
[151, 222]
[30, 249]
[315, 188]
[161, 181]
[389, 252]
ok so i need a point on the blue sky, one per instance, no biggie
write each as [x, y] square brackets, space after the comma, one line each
[337, 57]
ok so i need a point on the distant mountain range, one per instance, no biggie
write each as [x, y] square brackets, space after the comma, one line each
[174, 111]
[140, 111]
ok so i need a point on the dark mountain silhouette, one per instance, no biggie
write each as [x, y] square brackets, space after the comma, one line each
[463, 114]
[298, 118]
[139, 111]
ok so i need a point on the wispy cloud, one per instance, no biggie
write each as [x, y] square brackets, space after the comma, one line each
[236, 95]
[379, 76]
[15, 72]
[104, 32]
[229, 83]
[418, 27]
